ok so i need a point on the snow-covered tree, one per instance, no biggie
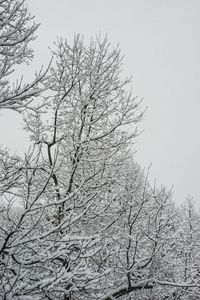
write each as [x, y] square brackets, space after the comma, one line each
[70, 178]
[186, 249]
[17, 30]
[140, 239]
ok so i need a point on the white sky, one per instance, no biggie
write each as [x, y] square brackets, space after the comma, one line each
[160, 40]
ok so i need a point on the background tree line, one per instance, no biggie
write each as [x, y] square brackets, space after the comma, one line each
[78, 217]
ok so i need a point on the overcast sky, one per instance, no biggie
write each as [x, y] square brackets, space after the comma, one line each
[160, 41]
